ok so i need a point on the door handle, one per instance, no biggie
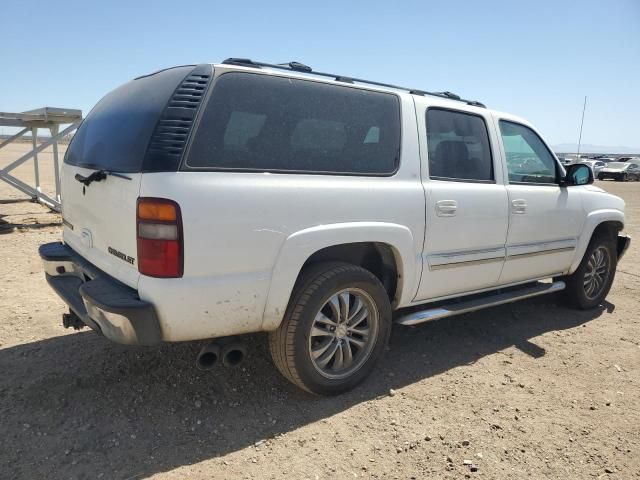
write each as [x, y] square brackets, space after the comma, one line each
[446, 208]
[519, 206]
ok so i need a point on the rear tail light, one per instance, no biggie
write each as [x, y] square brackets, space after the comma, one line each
[159, 227]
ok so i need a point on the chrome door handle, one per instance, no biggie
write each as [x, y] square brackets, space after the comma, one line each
[446, 208]
[519, 206]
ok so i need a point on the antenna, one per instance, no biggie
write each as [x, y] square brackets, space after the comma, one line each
[584, 107]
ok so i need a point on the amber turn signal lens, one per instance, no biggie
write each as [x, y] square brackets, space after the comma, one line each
[159, 229]
[154, 210]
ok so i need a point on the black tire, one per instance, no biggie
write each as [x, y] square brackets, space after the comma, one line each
[292, 343]
[576, 290]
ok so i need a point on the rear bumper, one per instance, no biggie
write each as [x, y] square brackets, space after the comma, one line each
[623, 244]
[103, 303]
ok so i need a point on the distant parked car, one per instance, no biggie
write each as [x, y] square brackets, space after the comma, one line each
[596, 166]
[606, 159]
[565, 161]
[635, 160]
[620, 171]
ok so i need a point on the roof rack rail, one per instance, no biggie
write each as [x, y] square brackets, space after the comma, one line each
[301, 67]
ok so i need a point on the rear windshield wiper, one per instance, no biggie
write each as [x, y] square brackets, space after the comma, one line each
[98, 176]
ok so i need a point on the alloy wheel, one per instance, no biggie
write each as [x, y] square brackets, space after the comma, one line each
[343, 333]
[597, 273]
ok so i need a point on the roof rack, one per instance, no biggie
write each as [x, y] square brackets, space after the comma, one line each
[300, 67]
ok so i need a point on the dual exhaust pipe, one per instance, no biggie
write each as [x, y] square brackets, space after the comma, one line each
[230, 353]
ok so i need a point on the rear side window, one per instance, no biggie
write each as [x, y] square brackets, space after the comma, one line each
[262, 123]
[459, 146]
[115, 134]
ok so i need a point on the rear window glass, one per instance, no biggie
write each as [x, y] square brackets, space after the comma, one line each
[115, 134]
[263, 123]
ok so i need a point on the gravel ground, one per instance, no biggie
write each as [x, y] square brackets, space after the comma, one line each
[531, 389]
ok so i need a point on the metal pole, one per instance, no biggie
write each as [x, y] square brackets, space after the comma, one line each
[23, 187]
[34, 141]
[584, 107]
[14, 137]
[40, 148]
[56, 171]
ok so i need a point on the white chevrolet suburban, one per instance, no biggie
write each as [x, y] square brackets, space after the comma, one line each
[209, 201]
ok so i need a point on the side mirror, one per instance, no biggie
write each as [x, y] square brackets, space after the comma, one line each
[578, 174]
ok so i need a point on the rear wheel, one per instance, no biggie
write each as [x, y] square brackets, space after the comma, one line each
[335, 329]
[589, 285]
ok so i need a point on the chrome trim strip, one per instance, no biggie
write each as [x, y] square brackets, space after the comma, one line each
[439, 261]
[542, 243]
[466, 263]
[460, 258]
[540, 252]
[467, 252]
[478, 304]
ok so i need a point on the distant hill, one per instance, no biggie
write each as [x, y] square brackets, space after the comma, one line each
[588, 148]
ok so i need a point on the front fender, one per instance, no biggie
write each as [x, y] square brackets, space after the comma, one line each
[592, 221]
[299, 246]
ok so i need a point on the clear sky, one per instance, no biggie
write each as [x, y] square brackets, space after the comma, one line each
[537, 59]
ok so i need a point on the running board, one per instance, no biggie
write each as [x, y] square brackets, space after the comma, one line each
[491, 300]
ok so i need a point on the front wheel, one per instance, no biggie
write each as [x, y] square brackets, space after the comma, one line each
[335, 329]
[589, 285]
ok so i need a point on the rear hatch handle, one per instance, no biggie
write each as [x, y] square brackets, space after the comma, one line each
[98, 176]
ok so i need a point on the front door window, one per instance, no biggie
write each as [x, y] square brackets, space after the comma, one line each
[528, 158]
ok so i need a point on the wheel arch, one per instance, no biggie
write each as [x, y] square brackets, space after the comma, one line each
[607, 221]
[379, 258]
[387, 249]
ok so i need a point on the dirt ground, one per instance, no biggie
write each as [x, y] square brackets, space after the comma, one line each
[531, 389]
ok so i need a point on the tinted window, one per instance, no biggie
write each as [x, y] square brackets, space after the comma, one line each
[116, 133]
[458, 146]
[528, 158]
[264, 123]
[242, 127]
[320, 135]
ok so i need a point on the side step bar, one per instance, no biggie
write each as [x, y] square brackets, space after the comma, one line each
[489, 300]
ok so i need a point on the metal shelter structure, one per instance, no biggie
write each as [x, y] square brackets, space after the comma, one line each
[30, 121]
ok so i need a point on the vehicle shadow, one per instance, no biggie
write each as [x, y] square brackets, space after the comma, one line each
[77, 405]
